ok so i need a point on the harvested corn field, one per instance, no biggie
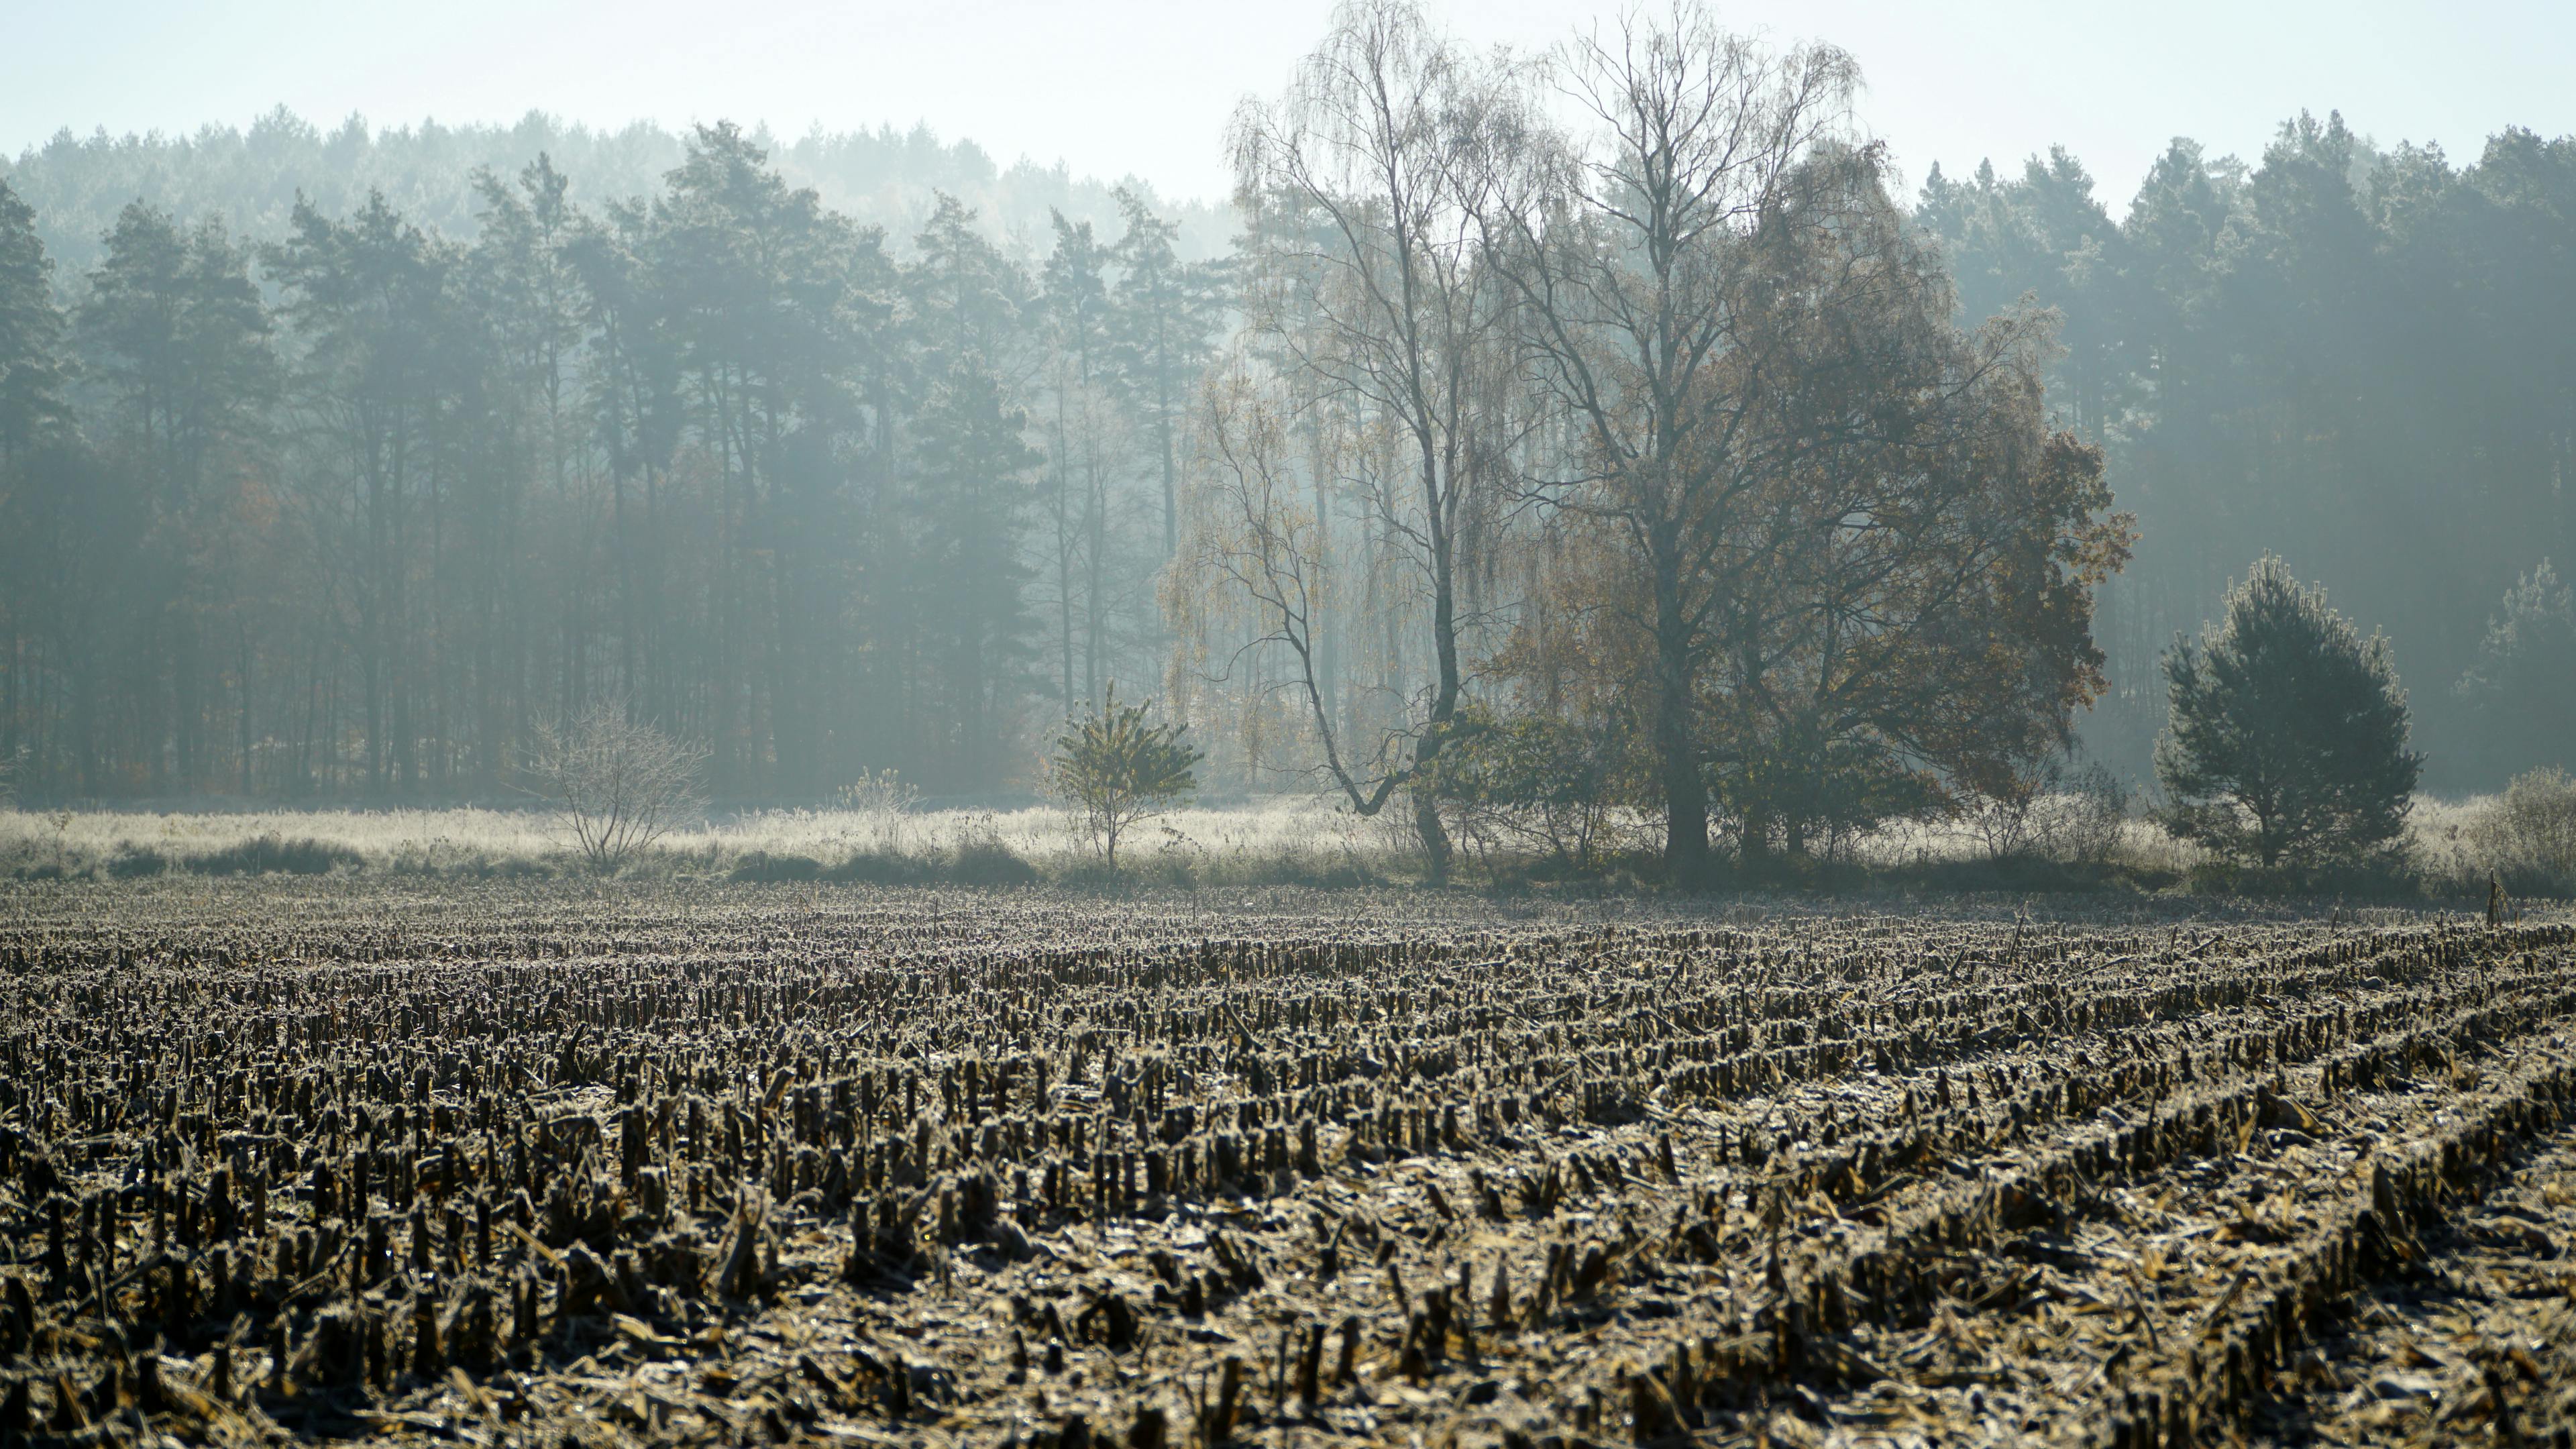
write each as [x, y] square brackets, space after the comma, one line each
[757, 1164]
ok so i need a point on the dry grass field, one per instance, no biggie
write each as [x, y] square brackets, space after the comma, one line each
[2450, 848]
[552, 1163]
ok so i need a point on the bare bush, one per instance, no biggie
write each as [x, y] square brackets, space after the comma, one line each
[2531, 828]
[883, 793]
[2054, 809]
[2085, 818]
[621, 783]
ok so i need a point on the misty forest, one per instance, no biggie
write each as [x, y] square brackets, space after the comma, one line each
[1587, 767]
[1615, 431]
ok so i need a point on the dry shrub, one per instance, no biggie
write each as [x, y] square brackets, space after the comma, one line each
[2056, 811]
[621, 783]
[2529, 833]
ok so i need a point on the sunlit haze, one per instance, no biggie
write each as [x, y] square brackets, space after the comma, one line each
[402, 403]
[1287, 724]
[1144, 88]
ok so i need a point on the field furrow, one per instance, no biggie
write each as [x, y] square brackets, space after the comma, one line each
[535, 1164]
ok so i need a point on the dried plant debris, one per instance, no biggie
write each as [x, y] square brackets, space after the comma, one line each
[744, 1165]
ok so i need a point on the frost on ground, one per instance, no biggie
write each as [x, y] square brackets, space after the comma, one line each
[466, 839]
[698, 1163]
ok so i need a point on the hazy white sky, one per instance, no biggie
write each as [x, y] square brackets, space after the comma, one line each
[1143, 87]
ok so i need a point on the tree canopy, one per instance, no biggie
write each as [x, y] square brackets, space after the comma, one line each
[2288, 736]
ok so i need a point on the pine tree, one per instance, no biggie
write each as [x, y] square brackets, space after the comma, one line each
[30, 330]
[970, 500]
[1077, 312]
[180, 336]
[2523, 684]
[175, 330]
[1168, 310]
[366, 293]
[2286, 742]
[966, 294]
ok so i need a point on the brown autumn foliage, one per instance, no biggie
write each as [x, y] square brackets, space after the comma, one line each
[1886, 609]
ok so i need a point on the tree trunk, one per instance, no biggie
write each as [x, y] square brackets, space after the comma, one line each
[1755, 850]
[1436, 851]
[1686, 857]
[1444, 703]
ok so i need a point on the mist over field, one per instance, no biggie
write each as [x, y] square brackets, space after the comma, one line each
[1831, 724]
[1523, 449]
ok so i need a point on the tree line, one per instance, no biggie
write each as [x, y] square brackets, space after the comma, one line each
[357, 510]
[252, 176]
[2353, 356]
[1601, 429]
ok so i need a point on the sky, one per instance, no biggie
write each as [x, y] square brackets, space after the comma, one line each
[1117, 88]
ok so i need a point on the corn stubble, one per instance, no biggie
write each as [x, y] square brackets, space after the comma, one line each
[769, 1165]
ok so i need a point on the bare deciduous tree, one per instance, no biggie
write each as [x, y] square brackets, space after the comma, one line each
[621, 783]
[1253, 544]
[1366, 236]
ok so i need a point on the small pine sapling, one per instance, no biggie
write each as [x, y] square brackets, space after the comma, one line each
[1117, 769]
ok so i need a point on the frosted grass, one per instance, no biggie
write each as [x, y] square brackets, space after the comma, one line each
[1297, 834]
[1298, 830]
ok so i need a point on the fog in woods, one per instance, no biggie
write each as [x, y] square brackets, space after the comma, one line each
[1613, 412]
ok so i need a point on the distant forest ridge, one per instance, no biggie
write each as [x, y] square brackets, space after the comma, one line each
[885, 177]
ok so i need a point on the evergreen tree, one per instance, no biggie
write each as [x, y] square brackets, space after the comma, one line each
[522, 307]
[971, 496]
[967, 296]
[2287, 741]
[178, 338]
[367, 296]
[634, 412]
[1168, 312]
[2524, 680]
[31, 327]
[1075, 302]
[778, 310]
